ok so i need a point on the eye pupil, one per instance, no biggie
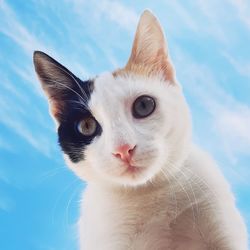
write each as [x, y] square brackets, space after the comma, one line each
[143, 106]
[87, 126]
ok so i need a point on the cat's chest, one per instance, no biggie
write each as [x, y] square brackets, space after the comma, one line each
[153, 219]
[108, 224]
[115, 230]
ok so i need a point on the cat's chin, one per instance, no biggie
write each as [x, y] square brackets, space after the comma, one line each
[132, 172]
[133, 176]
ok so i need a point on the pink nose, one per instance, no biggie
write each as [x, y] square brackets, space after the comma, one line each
[124, 152]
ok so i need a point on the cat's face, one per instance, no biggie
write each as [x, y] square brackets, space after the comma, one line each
[124, 127]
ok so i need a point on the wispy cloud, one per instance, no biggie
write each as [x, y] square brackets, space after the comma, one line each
[37, 140]
[230, 118]
[181, 16]
[119, 13]
[242, 67]
[27, 74]
[243, 9]
[12, 27]
[14, 116]
[115, 11]
[233, 123]
[213, 16]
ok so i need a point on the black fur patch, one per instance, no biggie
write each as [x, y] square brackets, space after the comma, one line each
[71, 141]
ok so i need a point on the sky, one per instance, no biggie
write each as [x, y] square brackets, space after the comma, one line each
[208, 42]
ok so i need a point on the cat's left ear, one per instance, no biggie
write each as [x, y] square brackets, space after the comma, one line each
[149, 54]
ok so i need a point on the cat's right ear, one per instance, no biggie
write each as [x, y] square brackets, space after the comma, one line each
[57, 81]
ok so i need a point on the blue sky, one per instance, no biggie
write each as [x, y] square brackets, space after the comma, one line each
[209, 45]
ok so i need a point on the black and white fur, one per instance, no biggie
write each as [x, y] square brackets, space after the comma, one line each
[177, 198]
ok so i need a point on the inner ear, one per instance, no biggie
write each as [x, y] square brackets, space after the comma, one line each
[149, 42]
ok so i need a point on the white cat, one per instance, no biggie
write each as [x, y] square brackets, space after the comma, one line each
[128, 135]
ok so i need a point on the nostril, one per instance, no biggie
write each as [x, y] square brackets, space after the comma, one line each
[131, 151]
[117, 155]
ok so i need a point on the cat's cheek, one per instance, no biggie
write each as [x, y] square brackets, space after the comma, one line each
[82, 169]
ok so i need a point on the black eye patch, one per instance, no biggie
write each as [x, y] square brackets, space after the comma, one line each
[70, 140]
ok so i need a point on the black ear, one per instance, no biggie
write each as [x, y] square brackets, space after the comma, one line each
[59, 84]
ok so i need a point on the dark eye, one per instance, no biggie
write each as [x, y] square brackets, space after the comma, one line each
[87, 126]
[143, 106]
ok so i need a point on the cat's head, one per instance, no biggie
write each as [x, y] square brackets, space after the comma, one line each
[124, 127]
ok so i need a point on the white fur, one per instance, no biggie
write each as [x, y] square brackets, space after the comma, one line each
[178, 201]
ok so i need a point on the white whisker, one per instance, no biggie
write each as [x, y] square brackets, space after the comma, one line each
[65, 86]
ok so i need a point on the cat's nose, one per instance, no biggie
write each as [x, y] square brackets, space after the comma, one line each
[124, 152]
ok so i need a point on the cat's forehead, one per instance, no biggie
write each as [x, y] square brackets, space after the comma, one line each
[110, 88]
[107, 90]
[104, 82]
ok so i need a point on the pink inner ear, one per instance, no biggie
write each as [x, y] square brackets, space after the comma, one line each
[165, 67]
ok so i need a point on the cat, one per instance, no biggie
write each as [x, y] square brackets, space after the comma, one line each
[128, 135]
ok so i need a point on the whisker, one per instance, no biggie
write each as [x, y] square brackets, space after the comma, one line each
[76, 189]
[84, 105]
[65, 86]
[184, 190]
[192, 190]
[51, 173]
[202, 181]
[173, 195]
[59, 197]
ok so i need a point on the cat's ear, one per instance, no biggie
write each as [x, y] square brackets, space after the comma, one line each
[57, 82]
[149, 52]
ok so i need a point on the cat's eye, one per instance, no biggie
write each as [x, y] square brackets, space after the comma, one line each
[143, 106]
[87, 126]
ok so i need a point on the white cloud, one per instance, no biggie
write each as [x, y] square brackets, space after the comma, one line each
[12, 27]
[229, 118]
[182, 17]
[233, 125]
[243, 9]
[14, 116]
[8, 87]
[119, 13]
[212, 14]
[39, 141]
[28, 75]
[243, 68]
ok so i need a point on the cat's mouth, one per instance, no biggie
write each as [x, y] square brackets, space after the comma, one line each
[131, 169]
